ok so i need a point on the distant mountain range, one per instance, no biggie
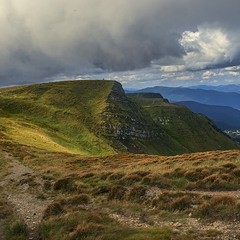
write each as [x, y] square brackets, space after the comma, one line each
[226, 118]
[220, 88]
[209, 97]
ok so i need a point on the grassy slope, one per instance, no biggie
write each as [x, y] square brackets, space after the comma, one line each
[194, 132]
[61, 116]
[95, 117]
[98, 177]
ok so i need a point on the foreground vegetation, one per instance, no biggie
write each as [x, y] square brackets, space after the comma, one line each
[150, 196]
[12, 228]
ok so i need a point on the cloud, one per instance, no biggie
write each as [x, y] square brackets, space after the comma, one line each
[208, 74]
[208, 47]
[234, 73]
[43, 39]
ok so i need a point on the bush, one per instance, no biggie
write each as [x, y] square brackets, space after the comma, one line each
[140, 173]
[53, 209]
[66, 184]
[102, 190]
[229, 166]
[173, 201]
[115, 176]
[157, 180]
[117, 192]
[220, 207]
[197, 174]
[84, 230]
[105, 175]
[79, 199]
[236, 172]
[16, 230]
[137, 193]
[130, 179]
[177, 173]
[5, 211]
[87, 175]
[47, 185]
[181, 203]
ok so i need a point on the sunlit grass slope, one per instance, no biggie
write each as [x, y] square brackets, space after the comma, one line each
[60, 116]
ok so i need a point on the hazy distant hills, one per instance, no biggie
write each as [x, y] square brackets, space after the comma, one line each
[226, 118]
[97, 117]
[220, 88]
[210, 97]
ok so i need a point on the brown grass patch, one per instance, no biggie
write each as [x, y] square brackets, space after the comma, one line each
[117, 192]
[53, 209]
[83, 230]
[79, 199]
[65, 184]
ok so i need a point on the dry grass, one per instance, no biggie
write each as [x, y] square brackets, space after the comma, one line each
[220, 208]
[123, 180]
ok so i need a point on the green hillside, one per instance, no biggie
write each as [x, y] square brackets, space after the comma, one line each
[60, 116]
[96, 118]
[194, 132]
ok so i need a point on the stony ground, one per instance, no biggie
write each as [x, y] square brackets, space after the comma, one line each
[22, 190]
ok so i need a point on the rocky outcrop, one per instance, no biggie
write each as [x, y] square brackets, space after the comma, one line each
[123, 119]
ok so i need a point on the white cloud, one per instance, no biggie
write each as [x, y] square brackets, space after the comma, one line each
[172, 68]
[184, 78]
[234, 73]
[208, 74]
[207, 47]
[234, 68]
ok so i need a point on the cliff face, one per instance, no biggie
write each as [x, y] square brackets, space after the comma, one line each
[124, 119]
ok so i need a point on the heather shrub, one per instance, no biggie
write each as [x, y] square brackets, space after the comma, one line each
[65, 184]
[79, 199]
[87, 175]
[236, 172]
[229, 166]
[47, 185]
[181, 203]
[115, 176]
[105, 175]
[141, 173]
[137, 193]
[157, 180]
[85, 230]
[117, 192]
[130, 179]
[53, 209]
[177, 173]
[220, 207]
[175, 201]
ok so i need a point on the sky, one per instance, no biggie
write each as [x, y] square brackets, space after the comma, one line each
[140, 43]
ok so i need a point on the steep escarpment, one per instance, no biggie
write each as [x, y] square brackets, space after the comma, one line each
[130, 127]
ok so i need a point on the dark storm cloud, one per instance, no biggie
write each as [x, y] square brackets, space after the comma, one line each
[40, 39]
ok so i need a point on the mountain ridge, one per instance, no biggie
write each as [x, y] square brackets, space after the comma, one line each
[90, 117]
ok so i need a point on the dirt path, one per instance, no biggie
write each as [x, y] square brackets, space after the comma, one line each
[22, 190]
